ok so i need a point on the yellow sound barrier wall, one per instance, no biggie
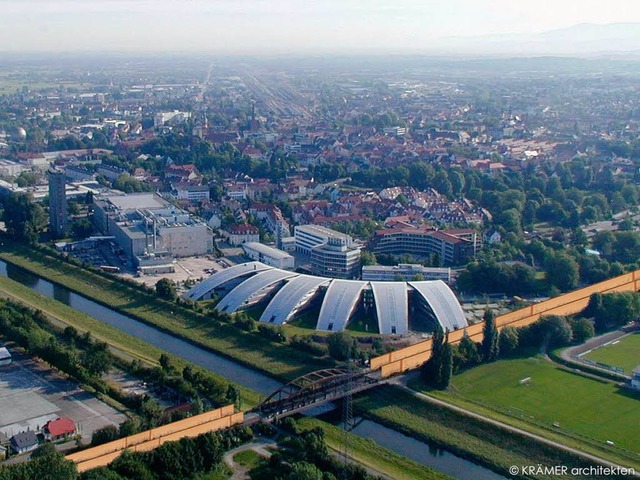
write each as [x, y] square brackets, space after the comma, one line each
[568, 304]
[189, 427]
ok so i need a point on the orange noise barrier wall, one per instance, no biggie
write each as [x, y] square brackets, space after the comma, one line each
[189, 427]
[568, 304]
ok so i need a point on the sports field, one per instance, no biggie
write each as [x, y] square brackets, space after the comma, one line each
[575, 404]
[624, 353]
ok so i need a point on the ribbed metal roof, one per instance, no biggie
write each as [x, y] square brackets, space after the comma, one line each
[392, 306]
[251, 286]
[222, 277]
[294, 293]
[443, 302]
[338, 304]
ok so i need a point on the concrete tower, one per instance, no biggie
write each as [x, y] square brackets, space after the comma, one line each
[57, 203]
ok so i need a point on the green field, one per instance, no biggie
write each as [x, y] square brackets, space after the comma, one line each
[553, 398]
[624, 354]
[467, 437]
[372, 455]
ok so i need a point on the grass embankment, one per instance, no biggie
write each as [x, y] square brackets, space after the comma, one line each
[624, 354]
[556, 403]
[124, 345]
[250, 349]
[478, 441]
[372, 455]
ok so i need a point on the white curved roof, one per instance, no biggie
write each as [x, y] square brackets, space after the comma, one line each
[443, 302]
[290, 297]
[392, 306]
[391, 298]
[222, 277]
[243, 292]
[338, 304]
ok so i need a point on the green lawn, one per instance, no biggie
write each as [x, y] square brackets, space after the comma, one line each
[581, 406]
[624, 354]
[372, 455]
[247, 458]
[475, 440]
[251, 349]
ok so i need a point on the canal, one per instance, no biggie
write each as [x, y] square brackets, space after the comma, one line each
[418, 451]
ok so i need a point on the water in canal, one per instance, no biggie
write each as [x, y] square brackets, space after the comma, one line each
[416, 450]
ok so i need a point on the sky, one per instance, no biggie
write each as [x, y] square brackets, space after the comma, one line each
[284, 26]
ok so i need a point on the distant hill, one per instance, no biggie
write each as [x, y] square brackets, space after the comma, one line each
[584, 39]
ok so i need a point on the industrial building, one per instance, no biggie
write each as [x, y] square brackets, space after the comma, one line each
[269, 255]
[282, 295]
[405, 272]
[146, 226]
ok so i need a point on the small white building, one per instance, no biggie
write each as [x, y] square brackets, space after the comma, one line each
[5, 356]
[239, 234]
[269, 255]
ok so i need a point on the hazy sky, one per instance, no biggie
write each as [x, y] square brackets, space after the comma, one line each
[280, 26]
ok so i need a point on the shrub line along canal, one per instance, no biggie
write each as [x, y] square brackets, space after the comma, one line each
[419, 451]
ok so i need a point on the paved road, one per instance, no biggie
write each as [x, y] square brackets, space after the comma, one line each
[402, 384]
[568, 354]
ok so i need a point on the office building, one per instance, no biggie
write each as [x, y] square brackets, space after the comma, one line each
[335, 259]
[57, 203]
[405, 272]
[309, 236]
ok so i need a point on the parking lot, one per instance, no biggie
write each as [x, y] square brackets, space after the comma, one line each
[31, 395]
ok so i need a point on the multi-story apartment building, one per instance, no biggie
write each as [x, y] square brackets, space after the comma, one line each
[452, 246]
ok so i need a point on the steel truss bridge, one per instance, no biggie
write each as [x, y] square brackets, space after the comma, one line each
[314, 389]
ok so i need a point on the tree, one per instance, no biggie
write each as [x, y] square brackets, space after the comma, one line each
[166, 289]
[165, 363]
[490, 337]
[23, 218]
[468, 351]
[432, 369]
[583, 330]
[340, 344]
[508, 341]
[304, 471]
[554, 330]
[562, 271]
[104, 435]
[368, 258]
[446, 368]
[97, 359]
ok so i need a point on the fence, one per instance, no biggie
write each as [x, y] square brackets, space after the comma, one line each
[101, 455]
[567, 304]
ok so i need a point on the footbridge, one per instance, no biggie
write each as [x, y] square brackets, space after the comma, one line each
[316, 388]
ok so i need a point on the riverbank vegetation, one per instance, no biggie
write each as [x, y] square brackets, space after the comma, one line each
[130, 353]
[206, 329]
[589, 413]
[372, 455]
[465, 436]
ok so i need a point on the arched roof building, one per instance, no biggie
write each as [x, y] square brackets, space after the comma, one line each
[286, 293]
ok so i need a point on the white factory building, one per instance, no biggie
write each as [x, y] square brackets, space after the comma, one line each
[147, 223]
[269, 255]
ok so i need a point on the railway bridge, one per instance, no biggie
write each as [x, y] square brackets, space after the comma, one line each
[316, 388]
